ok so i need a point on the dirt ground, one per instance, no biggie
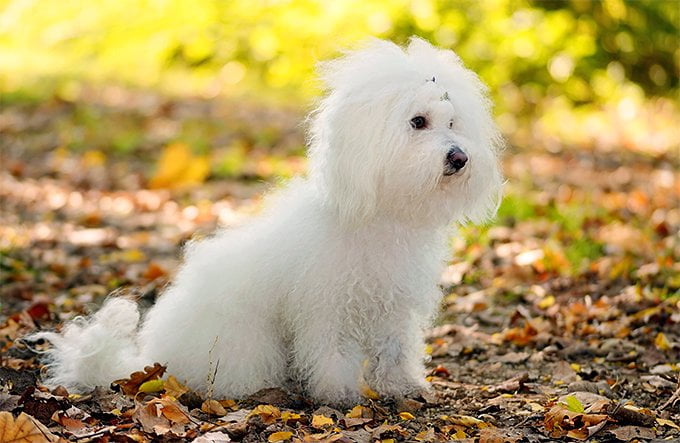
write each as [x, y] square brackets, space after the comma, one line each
[560, 320]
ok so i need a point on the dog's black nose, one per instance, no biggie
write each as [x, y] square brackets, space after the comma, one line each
[455, 160]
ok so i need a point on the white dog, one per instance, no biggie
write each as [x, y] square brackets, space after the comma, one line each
[332, 285]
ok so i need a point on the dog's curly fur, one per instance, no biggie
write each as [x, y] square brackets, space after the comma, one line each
[332, 285]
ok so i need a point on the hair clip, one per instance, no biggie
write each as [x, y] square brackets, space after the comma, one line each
[445, 97]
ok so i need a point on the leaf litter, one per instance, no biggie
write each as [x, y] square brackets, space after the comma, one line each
[560, 320]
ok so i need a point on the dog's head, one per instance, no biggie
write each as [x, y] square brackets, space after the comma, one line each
[406, 134]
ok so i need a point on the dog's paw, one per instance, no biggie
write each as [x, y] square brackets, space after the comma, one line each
[401, 388]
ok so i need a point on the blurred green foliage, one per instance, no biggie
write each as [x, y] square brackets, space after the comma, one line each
[581, 50]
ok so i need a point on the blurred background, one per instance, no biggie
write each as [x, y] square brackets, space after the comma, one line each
[129, 125]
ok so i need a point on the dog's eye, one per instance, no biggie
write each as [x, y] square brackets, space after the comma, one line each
[418, 122]
[450, 124]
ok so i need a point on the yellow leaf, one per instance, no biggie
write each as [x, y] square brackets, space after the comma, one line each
[546, 302]
[574, 404]
[321, 421]
[132, 255]
[356, 412]
[94, 158]
[197, 171]
[664, 422]
[177, 167]
[280, 436]
[151, 386]
[662, 342]
[575, 366]
[406, 416]
[428, 349]
[388, 440]
[369, 393]
[467, 421]
[172, 162]
[288, 416]
[459, 435]
[268, 413]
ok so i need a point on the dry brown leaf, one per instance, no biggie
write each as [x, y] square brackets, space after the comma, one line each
[162, 415]
[153, 271]
[130, 386]
[174, 388]
[561, 421]
[213, 407]
[23, 429]
[71, 424]
[499, 435]
[628, 433]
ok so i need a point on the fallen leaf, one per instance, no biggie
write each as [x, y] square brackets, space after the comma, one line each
[321, 421]
[546, 302]
[213, 437]
[174, 388]
[287, 416]
[153, 271]
[71, 424]
[213, 407]
[513, 385]
[665, 422]
[360, 411]
[406, 416]
[661, 342]
[560, 420]
[280, 436]
[466, 420]
[162, 415]
[267, 413]
[23, 429]
[500, 435]
[573, 404]
[369, 393]
[178, 167]
[628, 433]
[151, 386]
[440, 371]
[130, 386]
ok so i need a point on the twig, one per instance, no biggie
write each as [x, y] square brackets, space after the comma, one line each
[675, 397]
[212, 375]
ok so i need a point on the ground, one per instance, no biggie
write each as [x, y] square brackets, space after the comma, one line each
[559, 322]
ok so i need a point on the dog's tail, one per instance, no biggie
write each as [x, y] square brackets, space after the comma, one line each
[94, 351]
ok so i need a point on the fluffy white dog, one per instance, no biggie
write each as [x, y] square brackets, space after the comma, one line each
[332, 285]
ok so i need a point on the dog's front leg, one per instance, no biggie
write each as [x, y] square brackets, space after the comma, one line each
[396, 363]
[329, 364]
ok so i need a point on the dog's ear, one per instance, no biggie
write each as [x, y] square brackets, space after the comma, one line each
[342, 158]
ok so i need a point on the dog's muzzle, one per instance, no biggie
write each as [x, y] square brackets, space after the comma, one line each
[455, 160]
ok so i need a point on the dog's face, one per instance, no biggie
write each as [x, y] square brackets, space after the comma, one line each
[406, 135]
